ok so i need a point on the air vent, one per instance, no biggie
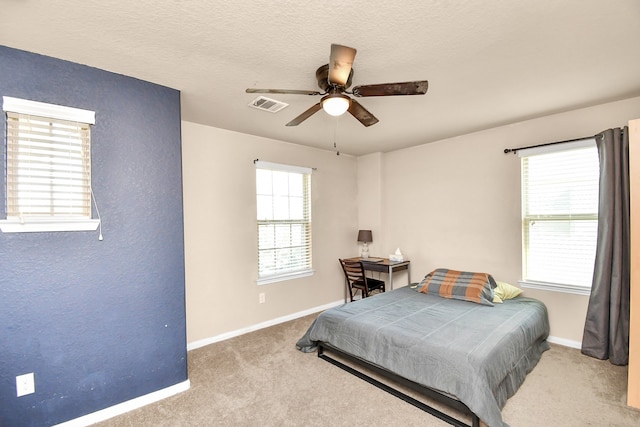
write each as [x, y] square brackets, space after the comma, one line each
[267, 104]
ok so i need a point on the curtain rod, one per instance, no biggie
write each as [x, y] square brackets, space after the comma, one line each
[514, 150]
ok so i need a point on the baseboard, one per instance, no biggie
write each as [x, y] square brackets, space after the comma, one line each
[127, 406]
[565, 342]
[242, 331]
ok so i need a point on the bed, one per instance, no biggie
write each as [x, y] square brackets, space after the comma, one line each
[468, 354]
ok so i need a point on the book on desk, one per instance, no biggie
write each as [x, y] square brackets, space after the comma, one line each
[371, 259]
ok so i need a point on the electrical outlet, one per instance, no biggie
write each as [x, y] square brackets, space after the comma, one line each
[261, 298]
[25, 384]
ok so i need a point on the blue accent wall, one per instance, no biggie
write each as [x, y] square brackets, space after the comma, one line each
[98, 322]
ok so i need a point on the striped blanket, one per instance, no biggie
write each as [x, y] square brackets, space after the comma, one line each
[461, 285]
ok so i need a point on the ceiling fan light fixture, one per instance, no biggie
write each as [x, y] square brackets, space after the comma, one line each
[334, 78]
[335, 104]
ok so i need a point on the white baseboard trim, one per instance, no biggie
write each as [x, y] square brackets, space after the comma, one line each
[565, 342]
[242, 331]
[127, 406]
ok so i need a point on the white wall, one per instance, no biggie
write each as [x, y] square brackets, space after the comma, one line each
[456, 203]
[220, 230]
[370, 200]
[453, 203]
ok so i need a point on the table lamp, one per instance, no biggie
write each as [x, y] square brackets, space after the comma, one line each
[365, 237]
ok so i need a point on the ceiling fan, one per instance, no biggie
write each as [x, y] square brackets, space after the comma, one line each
[335, 78]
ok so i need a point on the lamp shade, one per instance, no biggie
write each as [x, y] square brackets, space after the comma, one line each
[365, 236]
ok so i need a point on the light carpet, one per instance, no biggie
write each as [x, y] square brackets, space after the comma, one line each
[261, 379]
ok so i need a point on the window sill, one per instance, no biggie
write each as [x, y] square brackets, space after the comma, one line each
[555, 287]
[283, 277]
[46, 225]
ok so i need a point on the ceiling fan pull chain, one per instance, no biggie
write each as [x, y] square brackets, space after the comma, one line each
[335, 132]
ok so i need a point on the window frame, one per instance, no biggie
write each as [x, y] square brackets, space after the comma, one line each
[525, 282]
[54, 222]
[303, 270]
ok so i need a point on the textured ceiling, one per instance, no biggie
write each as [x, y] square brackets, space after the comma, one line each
[489, 62]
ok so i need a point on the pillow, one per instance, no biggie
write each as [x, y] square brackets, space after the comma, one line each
[460, 285]
[505, 291]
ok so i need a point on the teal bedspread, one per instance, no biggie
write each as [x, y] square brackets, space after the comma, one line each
[478, 354]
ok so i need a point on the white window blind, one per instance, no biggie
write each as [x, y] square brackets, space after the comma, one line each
[283, 195]
[560, 215]
[48, 165]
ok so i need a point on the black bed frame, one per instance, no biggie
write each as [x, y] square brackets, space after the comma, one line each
[428, 392]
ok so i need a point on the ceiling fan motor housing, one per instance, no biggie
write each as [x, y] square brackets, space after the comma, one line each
[322, 75]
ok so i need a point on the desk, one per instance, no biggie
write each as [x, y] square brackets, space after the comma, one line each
[384, 265]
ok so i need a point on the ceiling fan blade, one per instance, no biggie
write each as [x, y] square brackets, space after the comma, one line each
[288, 91]
[304, 116]
[340, 64]
[389, 89]
[362, 114]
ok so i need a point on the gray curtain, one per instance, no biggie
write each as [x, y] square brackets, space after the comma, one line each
[606, 330]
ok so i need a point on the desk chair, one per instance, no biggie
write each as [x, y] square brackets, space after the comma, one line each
[358, 281]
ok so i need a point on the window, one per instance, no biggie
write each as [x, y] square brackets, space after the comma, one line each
[560, 216]
[48, 167]
[283, 196]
